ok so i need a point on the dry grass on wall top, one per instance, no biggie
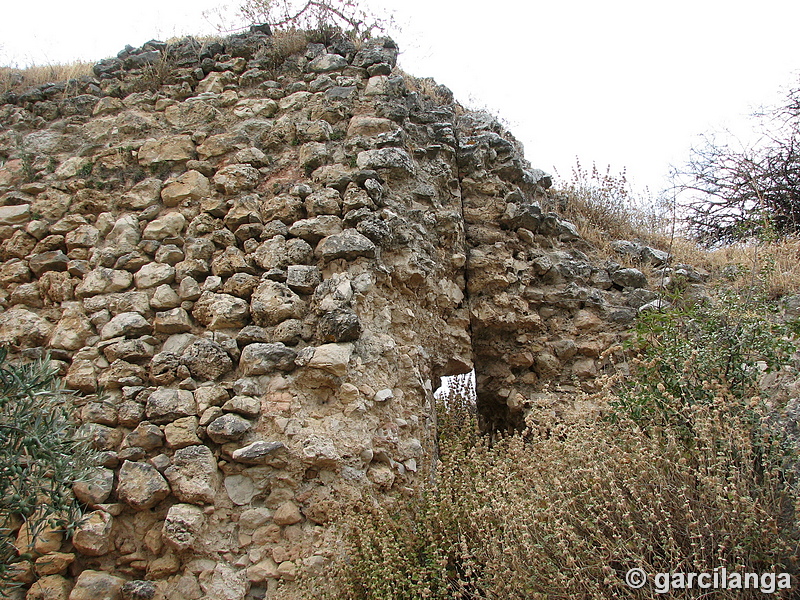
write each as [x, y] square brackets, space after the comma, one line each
[17, 80]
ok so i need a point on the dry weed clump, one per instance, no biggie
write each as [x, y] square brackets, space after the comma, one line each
[604, 208]
[17, 80]
[565, 511]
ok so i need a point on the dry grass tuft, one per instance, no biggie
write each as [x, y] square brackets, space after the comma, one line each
[604, 209]
[17, 80]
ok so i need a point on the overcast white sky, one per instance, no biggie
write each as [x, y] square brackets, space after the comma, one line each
[629, 83]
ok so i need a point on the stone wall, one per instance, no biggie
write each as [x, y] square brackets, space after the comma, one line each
[256, 273]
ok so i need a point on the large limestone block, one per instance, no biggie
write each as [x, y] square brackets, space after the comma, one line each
[221, 311]
[103, 280]
[15, 214]
[165, 405]
[172, 148]
[332, 358]
[386, 158]
[273, 302]
[192, 185]
[262, 359]
[349, 245]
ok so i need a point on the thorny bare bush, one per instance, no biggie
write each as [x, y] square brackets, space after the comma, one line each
[565, 511]
[350, 16]
[734, 191]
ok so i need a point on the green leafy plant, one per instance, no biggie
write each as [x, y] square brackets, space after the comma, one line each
[40, 456]
[694, 353]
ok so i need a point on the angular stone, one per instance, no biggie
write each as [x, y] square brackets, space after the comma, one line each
[102, 280]
[146, 436]
[368, 125]
[191, 114]
[326, 63]
[138, 589]
[22, 328]
[15, 214]
[314, 229]
[206, 360]
[171, 148]
[194, 475]
[228, 428]
[262, 359]
[236, 178]
[127, 324]
[349, 245]
[55, 562]
[49, 587]
[231, 261]
[140, 485]
[143, 195]
[54, 260]
[97, 585]
[303, 279]
[221, 311]
[332, 358]
[395, 159]
[247, 406]
[629, 278]
[182, 525]
[284, 208]
[273, 302]
[84, 236]
[154, 274]
[165, 405]
[257, 452]
[96, 487]
[223, 143]
[172, 321]
[168, 226]
[73, 329]
[192, 185]
[339, 325]
[287, 514]
[92, 537]
[182, 432]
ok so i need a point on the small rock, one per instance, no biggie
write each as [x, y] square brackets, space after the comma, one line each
[261, 359]
[257, 452]
[287, 514]
[140, 485]
[92, 537]
[138, 589]
[182, 525]
[194, 476]
[228, 428]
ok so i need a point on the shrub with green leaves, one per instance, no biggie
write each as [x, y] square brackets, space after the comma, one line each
[40, 456]
[695, 353]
